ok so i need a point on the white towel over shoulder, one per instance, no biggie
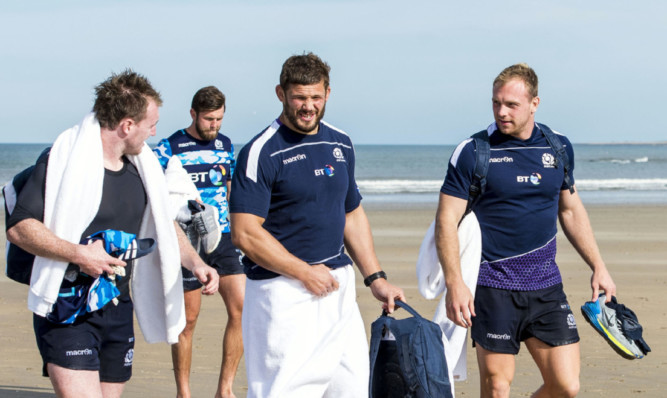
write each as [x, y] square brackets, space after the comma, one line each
[432, 283]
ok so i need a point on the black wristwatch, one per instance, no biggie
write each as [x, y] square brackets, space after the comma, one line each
[370, 278]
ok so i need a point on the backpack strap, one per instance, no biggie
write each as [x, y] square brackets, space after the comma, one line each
[478, 184]
[561, 154]
[405, 306]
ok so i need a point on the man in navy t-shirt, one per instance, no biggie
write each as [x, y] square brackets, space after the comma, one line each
[519, 294]
[295, 208]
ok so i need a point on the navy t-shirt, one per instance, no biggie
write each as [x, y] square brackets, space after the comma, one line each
[302, 185]
[518, 211]
[121, 208]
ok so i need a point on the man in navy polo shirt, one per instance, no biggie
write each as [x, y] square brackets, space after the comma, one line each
[519, 294]
[295, 208]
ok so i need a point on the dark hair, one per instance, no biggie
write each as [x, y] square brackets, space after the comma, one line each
[305, 69]
[123, 95]
[522, 72]
[208, 99]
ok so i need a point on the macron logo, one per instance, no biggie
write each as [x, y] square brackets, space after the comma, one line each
[505, 159]
[300, 156]
[183, 145]
[498, 336]
[76, 353]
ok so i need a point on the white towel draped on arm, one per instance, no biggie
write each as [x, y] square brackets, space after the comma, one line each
[431, 282]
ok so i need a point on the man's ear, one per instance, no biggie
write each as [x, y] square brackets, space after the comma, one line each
[193, 114]
[125, 126]
[534, 103]
[280, 93]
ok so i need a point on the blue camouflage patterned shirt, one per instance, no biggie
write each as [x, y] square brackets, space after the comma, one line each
[210, 164]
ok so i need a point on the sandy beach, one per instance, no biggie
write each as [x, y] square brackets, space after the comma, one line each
[633, 241]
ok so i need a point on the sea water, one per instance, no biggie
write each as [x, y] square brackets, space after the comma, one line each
[604, 174]
[397, 174]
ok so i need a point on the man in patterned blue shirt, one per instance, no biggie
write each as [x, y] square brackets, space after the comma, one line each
[519, 294]
[208, 157]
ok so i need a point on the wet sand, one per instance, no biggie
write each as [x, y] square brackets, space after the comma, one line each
[633, 241]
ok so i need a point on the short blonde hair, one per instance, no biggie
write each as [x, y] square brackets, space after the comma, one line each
[519, 71]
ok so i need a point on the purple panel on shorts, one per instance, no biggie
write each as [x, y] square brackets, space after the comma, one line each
[530, 271]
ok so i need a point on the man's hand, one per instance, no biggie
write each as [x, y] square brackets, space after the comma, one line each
[460, 304]
[94, 260]
[387, 293]
[601, 280]
[208, 276]
[319, 280]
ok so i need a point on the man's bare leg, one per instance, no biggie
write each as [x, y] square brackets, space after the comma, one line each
[232, 290]
[496, 372]
[69, 383]
[181, 352]
[559, 367]
[112, 390]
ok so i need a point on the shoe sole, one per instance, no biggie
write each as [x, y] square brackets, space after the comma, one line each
[591, 318]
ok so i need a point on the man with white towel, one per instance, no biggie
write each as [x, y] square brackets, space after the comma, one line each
[101, 175]
[519, 294]
[295, 208]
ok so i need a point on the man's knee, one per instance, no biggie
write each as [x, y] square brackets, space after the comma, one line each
[567, 389]
[496, 386]
[232, 290]
[190, 322]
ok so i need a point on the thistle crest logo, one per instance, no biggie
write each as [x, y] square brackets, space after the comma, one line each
[338, 154]
[548, 160]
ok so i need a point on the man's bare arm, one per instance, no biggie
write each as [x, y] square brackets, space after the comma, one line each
[256, 242]
[459, 300]
[577, 228]
[32, 236]
[190, 259]
[359, 244]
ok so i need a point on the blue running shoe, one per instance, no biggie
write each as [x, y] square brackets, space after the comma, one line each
[618, 325]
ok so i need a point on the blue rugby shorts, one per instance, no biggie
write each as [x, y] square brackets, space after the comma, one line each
[226, 259]
[507, 317]
[102, 340]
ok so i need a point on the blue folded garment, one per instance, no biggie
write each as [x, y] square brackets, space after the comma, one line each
[88, 294]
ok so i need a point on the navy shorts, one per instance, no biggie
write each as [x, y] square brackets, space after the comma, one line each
[226, 259]
[102, 340]
[507, 317]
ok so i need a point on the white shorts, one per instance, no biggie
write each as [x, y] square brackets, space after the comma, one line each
[300, 345]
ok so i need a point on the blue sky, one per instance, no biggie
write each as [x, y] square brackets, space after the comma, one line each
[402, 72]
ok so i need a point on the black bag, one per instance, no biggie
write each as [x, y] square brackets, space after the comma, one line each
[407, 358]
[18, 261]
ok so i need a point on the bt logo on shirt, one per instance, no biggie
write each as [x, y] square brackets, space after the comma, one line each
[216, 175]
[534, 178]
[328, 170]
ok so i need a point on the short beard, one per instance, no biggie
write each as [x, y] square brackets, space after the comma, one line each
[296, 122]
[207, 135]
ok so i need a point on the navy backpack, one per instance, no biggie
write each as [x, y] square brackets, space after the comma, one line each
[407, 358]
[18, 261]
